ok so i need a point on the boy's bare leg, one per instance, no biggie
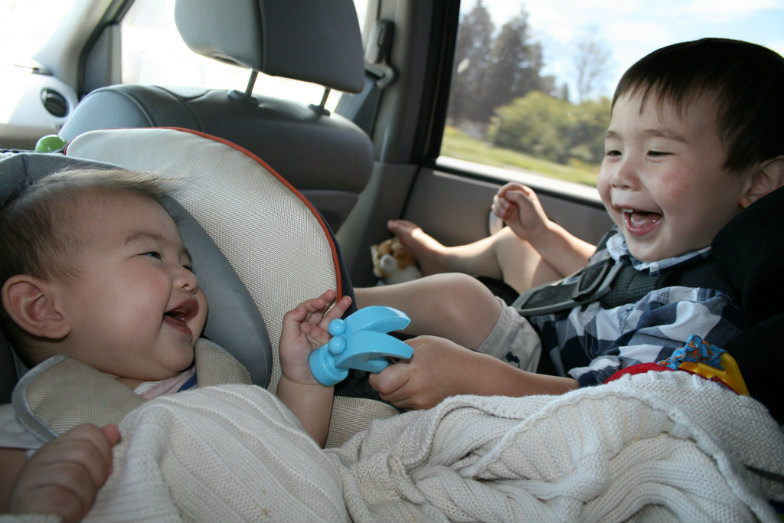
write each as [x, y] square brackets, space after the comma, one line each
[502, 255]
[451, 305]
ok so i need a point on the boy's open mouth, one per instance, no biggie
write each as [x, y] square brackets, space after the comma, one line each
[640, 222]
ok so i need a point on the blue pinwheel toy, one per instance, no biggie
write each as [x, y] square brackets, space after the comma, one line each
[360, 342]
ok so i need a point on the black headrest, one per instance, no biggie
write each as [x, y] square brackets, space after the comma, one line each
[310, 40]
[748, 254]
[233, 321]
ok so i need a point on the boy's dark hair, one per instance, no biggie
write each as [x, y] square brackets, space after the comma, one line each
[35, 233]
[745, 79]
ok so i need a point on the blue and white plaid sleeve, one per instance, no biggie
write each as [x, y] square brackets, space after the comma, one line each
[645, 331]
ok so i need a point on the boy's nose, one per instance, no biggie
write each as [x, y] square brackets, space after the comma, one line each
[624, 176]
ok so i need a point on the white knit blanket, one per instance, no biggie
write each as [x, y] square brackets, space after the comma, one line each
[664, 446]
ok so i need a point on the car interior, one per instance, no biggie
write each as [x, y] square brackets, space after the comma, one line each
[281, 199]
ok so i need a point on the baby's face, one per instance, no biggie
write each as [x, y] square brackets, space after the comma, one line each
[135, 307]
[662, 179]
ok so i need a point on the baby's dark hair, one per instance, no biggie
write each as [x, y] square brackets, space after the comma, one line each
[36, 233]
[745, 80]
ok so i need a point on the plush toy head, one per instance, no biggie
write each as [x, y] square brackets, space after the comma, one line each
[393, 262]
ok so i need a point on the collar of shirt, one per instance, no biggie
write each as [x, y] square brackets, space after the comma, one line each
[617, 249]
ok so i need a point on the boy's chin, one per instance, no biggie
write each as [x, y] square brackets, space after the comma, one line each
[645, 252]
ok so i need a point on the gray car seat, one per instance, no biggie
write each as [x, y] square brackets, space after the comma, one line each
[327, 157]
[259, 246]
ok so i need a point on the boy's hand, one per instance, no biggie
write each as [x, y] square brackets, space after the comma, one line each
[438, 369]
[64, 476]
[520, 208]
[304, 330]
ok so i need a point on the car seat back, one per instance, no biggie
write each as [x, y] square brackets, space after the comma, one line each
[325, 156]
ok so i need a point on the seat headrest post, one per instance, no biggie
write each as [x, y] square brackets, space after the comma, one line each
[246, 97]
[321, 109]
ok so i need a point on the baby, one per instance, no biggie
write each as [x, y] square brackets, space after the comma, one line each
[94, 268]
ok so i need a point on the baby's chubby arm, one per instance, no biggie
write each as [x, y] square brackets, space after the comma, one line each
[520, 208]
[440, 368]
[63, 477]
[304, 330]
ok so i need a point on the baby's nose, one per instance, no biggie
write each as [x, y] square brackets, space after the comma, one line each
[186, 280]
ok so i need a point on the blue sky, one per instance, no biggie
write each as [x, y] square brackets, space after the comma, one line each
[633, 28]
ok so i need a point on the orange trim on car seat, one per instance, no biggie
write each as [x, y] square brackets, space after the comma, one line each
[316, 214]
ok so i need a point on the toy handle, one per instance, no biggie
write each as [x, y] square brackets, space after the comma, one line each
[360, 342]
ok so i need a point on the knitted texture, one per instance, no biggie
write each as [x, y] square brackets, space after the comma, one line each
[664, 446]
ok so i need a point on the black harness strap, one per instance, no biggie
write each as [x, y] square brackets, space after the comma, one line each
[613, 284]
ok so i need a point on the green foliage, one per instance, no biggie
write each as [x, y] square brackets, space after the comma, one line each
[551, 128]
[457, 144]
[492, 68]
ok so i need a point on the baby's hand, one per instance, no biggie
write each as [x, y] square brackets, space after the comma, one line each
[64, 476]
[304, 330]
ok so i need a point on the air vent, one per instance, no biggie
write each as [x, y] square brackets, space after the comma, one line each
[54, 102]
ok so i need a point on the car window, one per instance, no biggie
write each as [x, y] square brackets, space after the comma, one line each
[532, 80]
[154, 53]
[24, 27]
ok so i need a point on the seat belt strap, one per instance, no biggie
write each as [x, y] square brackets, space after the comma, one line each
[587, 285]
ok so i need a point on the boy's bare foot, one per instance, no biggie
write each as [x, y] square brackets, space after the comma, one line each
[429, 252]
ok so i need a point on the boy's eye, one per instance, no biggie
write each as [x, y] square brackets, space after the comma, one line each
[612, 153]
[658, 153]
[153, 254]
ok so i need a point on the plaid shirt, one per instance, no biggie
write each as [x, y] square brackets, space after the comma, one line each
[590, 343]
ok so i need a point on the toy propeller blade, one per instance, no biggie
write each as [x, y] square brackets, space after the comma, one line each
[376, 318]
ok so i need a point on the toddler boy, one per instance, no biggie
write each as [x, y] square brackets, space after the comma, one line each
[694, 139]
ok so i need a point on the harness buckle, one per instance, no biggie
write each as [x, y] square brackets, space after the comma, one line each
[589, 284]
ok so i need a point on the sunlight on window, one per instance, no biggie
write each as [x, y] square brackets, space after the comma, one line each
[25, 25]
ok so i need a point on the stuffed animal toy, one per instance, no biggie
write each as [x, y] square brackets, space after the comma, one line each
[393, 262]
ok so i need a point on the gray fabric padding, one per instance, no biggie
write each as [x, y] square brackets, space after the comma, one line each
[233, 320]
[310, 40]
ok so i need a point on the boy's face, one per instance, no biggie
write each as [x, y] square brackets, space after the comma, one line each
[662, 180]
[135, 308]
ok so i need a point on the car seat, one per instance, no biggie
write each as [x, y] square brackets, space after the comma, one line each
[259, 246]
[326, 156]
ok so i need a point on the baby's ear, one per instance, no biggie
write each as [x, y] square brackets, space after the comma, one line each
[763, 181]
[31, 304]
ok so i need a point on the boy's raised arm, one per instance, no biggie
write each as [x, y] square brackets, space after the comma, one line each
[520, 208]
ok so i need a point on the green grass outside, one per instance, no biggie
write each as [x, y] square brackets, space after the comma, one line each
[459, 145]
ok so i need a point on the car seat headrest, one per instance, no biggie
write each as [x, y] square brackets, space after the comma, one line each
[233, 320]
[309, 40]
[747, 254]
[275, 240]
